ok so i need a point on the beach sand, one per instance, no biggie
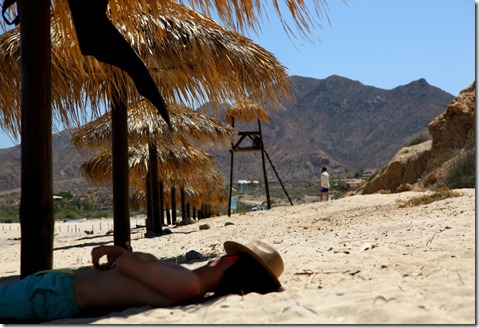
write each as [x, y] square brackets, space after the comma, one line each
[355, 260]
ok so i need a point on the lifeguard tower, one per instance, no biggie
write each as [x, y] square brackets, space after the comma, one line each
[249, 111]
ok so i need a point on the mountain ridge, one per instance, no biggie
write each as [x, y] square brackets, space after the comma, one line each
[343, 124]
[335, 122]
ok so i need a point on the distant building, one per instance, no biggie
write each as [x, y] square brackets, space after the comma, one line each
[247, 184]
[354, 183]
[367, 173]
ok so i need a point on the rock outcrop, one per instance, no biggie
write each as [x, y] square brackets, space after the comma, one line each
[404, 169]
[453, 134]
[455, 128]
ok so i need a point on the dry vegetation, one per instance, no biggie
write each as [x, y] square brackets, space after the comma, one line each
[462, 171]
[439, 194]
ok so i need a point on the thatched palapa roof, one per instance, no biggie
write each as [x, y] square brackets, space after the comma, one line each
[239, 15]
[145, 125]
[189, 56]
[246, 110]
[208, 190]
[176, 162]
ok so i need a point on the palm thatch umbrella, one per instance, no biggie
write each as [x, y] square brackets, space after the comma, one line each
[176, 163]
[145, 126]
[189, 55]
[209, 189]
[36, 113]
[176, 160]
[204, 181]
[239, 15]
[246, 110]
[205, 187]
[235, 14]
[185, 53]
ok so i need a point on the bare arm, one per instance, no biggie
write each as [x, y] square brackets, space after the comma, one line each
[111, 253]
[172, 281]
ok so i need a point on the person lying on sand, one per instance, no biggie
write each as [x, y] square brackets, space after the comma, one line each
[130, 279]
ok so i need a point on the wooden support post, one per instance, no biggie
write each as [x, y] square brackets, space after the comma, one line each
[168, 216]
[36, 201]
[155, 193]
[173, 204]
[161, 190]
[266, 185]
[231, 171]
[121, 208]
[183, 203]
[149, 214]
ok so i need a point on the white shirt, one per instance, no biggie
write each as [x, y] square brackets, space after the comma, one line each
[325, 180]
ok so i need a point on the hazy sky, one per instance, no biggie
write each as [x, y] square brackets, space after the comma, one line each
[382, 43]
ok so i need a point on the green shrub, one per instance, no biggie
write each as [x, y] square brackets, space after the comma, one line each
[9, 214]
[8, 220]
[462, 172]
[102, 214]
[68, 213]
[66, 194]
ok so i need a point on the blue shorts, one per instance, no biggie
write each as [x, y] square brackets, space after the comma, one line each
[39, 297]
[324, 189]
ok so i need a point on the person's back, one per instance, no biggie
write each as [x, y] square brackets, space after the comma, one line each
[325, 179]
[324, 184]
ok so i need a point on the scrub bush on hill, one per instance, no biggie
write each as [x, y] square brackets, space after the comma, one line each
[462, 172]
[417, 138]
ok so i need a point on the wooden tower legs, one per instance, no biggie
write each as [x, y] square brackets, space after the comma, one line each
[258, 145]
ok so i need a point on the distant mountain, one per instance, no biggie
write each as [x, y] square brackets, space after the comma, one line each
[334, 122]
[339, 123]
[66, 162]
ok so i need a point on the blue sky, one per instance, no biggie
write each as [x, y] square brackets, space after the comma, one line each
[385, 43]
[382, 43]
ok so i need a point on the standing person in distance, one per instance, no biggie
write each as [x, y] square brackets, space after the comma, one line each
[324, 185]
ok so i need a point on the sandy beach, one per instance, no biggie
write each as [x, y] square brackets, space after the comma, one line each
[356, 260]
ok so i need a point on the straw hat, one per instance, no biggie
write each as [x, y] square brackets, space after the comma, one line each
[266, 255]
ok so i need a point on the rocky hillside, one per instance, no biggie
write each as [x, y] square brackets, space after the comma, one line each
[66, 162]
[334, 122]
[339, 123]
[453, 137]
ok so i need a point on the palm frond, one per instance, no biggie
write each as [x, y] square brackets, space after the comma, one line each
[191, 58]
